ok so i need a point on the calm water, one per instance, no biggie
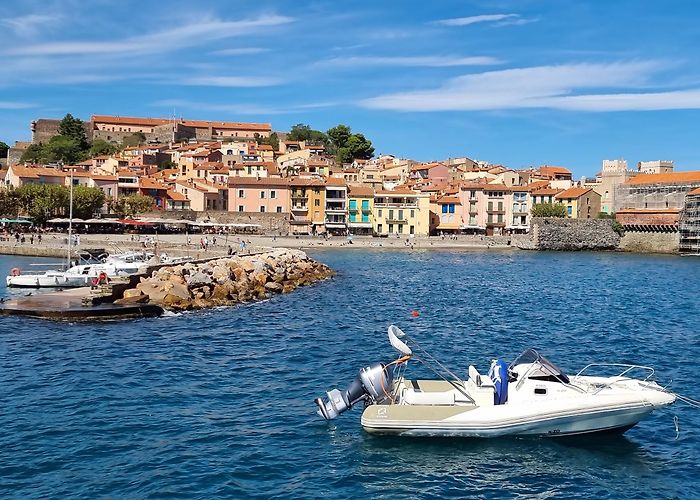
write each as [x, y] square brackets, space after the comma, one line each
[220, 403]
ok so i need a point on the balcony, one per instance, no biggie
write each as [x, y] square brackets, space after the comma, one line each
[396, 220]
[300, 197]
[300, 208]
[411, 205]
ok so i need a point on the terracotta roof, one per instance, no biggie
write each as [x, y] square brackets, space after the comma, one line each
[334, 181]
[537, 185]
[552, 170]
[264, 147]
[574, 192]
[426, 166]
[449, 199]
[174, 195]
[35, 172]
[670, 178]
[695, 191]
[360, 191]
[148, 183]
[545, 192]
[104, 177]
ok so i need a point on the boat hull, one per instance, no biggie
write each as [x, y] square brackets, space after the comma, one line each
[43, 281]
[476, 423]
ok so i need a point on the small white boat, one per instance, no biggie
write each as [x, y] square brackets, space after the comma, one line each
[85, 274]
[530, 396]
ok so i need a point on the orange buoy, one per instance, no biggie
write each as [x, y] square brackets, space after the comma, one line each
[15, 271]
[415, 313]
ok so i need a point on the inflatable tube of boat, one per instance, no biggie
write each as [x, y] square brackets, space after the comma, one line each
[499, 374]
[15, 271]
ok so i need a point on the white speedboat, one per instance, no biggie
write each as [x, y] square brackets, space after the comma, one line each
[86, 274]
[531, 396]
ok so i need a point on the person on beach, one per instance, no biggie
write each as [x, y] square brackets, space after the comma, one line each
[230, 250]
[31, 239]
[38, 236]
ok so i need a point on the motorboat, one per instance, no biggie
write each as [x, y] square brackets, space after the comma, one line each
[84, 274]
[530, 396]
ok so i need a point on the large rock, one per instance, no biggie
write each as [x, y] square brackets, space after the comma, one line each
[198, 279]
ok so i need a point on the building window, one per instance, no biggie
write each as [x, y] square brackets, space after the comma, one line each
[413, 214]
[444, 208]
[240, 208]
[379, 228]
[241, 193]
[569, 210]
[262, 195]
[317, 202]
[279, 210]
[262, 208]
[272, 194]
[365, 204]
[391, 217]
[400, 215]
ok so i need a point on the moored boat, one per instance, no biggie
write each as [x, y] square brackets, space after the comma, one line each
[530, 396]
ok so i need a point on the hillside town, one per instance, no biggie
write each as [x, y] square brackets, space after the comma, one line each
[233, 173]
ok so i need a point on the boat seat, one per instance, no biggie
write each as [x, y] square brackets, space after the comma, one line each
[480, 388]
[412, 397]
[479, 380]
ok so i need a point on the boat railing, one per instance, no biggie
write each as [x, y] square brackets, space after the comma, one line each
[626, 369]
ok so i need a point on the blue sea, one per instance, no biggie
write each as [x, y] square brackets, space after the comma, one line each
[220, 403]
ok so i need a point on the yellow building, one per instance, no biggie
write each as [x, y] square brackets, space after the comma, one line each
[360, 207]
[580, 202]
[401, 212]
[308, 199]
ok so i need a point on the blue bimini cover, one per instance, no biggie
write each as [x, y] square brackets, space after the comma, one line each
[499, 374]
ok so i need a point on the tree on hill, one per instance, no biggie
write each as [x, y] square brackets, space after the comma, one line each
[4, 148]
[548, 210]
[33, 154]
[132, 205]
[303, 132]
[349, 146]
[102, 147]
[9, 203]
[74, 128]
[273, 140]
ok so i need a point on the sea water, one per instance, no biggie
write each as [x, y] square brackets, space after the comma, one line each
[220, 403]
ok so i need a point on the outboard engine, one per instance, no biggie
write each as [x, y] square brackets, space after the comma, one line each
[371, 385]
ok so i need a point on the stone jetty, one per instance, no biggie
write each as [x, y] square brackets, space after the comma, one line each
[227, 280]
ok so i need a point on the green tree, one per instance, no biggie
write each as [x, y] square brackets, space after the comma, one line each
[273, 140]
[43, 201]
[548, 210]
[339, 135]
[33, 154]
[63, 148]
[360, 147]
[9, 203]
[74, 128]
[134, 139]
[87, 201]
[130, 206]
[4, 148]
[343, 155]
[102, 147]
[166, 164]
[302, 132]
[605, 215]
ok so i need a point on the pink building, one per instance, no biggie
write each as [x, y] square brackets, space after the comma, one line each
[264, 194]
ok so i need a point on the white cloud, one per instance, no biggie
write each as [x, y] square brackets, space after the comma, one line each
[16, 105]
[231, 81]
[242, 108]
[554, 87]
[29, 25]
[466, 21]
[162, 41]
[427, 61]
[242, 51]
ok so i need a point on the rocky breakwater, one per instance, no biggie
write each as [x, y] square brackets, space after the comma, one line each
[227, 281]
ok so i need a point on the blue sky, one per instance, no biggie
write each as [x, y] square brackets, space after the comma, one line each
[520, 82]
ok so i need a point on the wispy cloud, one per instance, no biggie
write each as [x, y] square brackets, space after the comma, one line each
[426, 61]
[242, 51]
[232, 81]
[484, 18]
[16, 105]
[246, 108]
[162, 41]
[553, 87]
[29, 25]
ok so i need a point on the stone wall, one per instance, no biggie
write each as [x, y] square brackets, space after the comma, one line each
[573, 234]
[44, 129]
[651, 242]
[270, 222]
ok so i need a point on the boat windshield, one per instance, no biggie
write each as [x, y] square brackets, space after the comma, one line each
[542, 369]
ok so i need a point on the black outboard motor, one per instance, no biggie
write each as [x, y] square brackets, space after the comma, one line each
[373, 385]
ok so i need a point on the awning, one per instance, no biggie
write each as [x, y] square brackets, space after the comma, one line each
[15, 221]
[132, 222]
